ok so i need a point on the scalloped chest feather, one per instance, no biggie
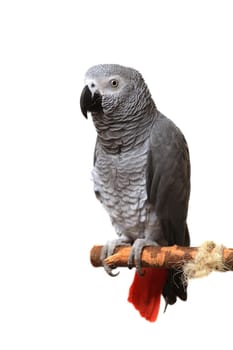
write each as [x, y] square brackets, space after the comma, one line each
[120, 185]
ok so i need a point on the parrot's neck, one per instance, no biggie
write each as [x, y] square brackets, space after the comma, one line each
[121, 134]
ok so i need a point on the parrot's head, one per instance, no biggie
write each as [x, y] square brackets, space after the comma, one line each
[114, 91]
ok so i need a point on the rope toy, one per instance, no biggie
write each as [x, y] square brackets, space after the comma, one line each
[209, 258]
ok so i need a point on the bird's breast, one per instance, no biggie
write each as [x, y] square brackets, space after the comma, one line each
[120, 185]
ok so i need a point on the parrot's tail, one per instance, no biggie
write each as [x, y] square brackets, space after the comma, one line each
[145, 292]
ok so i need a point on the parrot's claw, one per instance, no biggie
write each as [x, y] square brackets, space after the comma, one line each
[107, 250]
[166, 305]
[136, 253]
[109, 269]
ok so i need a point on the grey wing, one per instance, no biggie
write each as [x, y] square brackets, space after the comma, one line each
[168, 179]
[168, 189]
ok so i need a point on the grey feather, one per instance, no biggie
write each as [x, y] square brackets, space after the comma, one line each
[168, 177]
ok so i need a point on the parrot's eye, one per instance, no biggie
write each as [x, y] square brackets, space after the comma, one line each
[114, 83]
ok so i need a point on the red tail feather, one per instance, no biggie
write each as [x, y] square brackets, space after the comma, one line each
[145, 292]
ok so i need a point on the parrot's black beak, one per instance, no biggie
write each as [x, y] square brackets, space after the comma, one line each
[89, 103]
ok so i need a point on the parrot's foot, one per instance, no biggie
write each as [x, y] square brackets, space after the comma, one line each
[107, 250]
[136, 252]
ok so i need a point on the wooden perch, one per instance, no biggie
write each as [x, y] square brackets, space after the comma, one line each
[198, 261]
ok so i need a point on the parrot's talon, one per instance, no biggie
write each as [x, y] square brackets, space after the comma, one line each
[108, 250]
[115, 274]
[110, 273]
[136, 253]
[109, 269]
[131, 261]
[166, 305]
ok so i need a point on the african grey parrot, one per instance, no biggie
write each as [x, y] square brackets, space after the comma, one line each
[141, 176]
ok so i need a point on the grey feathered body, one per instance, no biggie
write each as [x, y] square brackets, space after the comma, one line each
[120, 185]
[137, 202]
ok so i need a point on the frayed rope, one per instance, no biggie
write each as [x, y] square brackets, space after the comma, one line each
[209, 258]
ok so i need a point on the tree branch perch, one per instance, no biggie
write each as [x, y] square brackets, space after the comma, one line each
[198, 261]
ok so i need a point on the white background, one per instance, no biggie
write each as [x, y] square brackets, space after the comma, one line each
[50, 295]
